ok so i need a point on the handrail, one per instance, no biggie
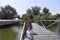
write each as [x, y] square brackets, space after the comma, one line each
[50, 24]
[22, 32]
[42, 24]
[49, 20]
[55, 21]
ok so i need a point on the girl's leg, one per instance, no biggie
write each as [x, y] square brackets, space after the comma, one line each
[31, 36]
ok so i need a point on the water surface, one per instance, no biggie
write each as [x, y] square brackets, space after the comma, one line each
[11, 33]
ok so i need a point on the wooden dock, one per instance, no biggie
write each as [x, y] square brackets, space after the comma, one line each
[6, 22]
[42, 33]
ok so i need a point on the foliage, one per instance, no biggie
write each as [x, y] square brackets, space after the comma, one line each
[29, 11]
[8, 12]
[36, 10]
[44, 17]
[18, 16]
[21, 24]
[36, 17]
[45, 10]
[53, 27]
[25, 16]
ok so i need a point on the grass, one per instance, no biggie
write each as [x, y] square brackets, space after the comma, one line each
[53, 27]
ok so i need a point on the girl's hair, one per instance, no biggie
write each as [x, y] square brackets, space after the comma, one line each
[29, 21]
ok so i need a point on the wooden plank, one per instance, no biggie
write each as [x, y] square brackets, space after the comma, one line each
[5, 22]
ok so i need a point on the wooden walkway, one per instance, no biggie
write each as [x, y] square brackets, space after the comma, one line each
[42, 33]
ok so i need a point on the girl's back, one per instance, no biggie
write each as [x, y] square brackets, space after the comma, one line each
[29, 23]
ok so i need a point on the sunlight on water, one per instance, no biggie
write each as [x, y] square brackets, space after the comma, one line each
[17, 30]
[11, 33]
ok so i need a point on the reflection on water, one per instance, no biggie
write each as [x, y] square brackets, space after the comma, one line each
[11, 33]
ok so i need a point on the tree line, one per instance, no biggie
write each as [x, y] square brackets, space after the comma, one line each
[8, 12]
[44, 15]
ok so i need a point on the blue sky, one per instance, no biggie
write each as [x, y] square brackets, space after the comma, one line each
[22, 5]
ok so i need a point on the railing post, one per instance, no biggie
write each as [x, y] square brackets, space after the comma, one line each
[43, 24]
[22, 32]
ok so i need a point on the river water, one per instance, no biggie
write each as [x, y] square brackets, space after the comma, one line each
[11, 33]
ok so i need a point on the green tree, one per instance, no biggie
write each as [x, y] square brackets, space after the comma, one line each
[36, 18]
[25, 16]
[36, 10]
[8, 12]
[33, 11]
[29, 11]
[45, 10]
[2, 12]
[18, 16]
[44, 17]
[57, 15]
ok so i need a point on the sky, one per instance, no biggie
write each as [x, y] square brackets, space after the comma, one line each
[22, 5]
